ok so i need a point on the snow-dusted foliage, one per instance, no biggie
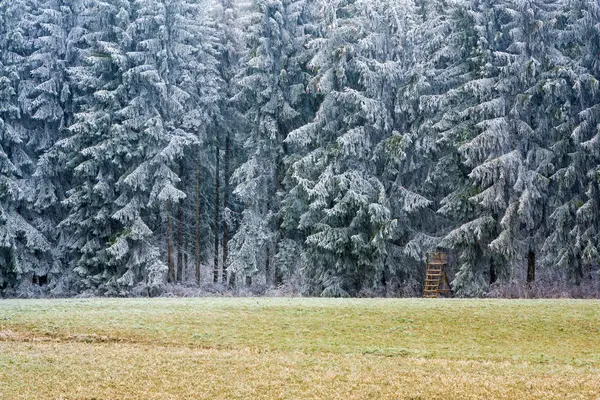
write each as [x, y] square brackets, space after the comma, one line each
[571, 249]
[328, 144]
[347, 216]
[272, 96]
[139, 110]
[34, 96]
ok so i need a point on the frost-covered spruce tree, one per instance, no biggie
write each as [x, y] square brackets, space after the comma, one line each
[152, 134]
[347, 219]
[23, 247]
[411, 151]
[530, 53]
[196, 92]
[272, 92]
[148, 186]
[571, 248]
[38, 42]
[462, 98]
[46, 103]
[144, 89]
[231, 48]
[588, 135]
[93, 148]
[501, 146]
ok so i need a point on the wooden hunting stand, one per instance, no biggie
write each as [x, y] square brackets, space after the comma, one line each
[436, 280]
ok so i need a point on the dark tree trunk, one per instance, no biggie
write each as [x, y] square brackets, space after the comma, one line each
[180, 242]
[171, 277]
[225, 206]
[198, 224]
[217, 230]
[578, 269]
[185, 257]
[279, 177]
[493, 276]
[531, 266]
[277, 276]
[268, 279]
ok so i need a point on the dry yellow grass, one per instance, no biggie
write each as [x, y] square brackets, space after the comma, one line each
[299, 349]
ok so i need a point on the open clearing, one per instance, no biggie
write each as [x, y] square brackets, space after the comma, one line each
[257, 348]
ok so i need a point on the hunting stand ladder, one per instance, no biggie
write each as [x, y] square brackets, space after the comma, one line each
[436, 280]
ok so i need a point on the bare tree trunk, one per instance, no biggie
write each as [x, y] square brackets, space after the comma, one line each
[217, 231]
[578, 269]
[185, 258]
[180, 242]
[198, 224]
[279, 174]
[279, 177]
[171, 277]
[531, 266]
[226, 205]
[268, 279]
[493, 276]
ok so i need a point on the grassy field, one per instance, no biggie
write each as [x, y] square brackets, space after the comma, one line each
[259, 348]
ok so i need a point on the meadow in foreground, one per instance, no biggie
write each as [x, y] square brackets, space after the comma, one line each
[258, 348]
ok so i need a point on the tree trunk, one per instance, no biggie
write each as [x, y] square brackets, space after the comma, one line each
[171, 277]
[279, 174]
[185, 257]
[198, 224]
[279, 177]
[578, 269]
[180, 242]
[531, 266]
[226, 206]
[493, 276]
[217, 193]
[268, 279]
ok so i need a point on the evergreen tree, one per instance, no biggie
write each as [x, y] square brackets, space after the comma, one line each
[92, 149]
[272, 83]
[347, 218]
[571, 246]
[28, 93]
[329, 142]
[502, 147]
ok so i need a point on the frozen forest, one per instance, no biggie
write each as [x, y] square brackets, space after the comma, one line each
[326, 145]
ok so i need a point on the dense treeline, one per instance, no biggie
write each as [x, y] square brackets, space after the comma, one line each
[327, 144]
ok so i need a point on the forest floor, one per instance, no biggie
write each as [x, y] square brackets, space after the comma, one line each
[292, 348]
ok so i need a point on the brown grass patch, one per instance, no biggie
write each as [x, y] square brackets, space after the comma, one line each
[299, 349]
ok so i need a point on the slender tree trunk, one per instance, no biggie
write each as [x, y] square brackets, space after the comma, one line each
[493, 276]
[578, 269]
[170, 242]
[268, 279]
[198, 224]
[226, 205]
[277, 278]
[217, 231]
[180, 242]
[279, 177]
[185, 258]
[531, 266]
